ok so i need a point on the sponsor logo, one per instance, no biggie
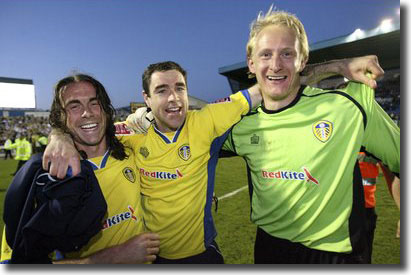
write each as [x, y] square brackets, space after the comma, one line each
[222, 100]
[254, 140]
[119, 218]
[144, 152]
[184, 152]
[323, 130]
[290, 175]
[129, 174]
[161, 175]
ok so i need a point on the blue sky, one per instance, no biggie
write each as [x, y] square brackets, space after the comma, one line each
[114, 40]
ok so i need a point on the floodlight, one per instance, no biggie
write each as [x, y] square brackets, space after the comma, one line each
[358, 33]
[386, 25]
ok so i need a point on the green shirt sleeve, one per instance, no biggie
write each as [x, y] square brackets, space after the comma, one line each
[382, 135]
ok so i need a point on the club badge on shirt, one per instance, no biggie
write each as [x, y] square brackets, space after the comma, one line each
[323, 130]
[129, 174]
[184, 152]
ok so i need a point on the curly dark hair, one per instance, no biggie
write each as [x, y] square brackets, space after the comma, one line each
[58, 118]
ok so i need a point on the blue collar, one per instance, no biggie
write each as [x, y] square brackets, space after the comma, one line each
[165, 138]
[103, 161]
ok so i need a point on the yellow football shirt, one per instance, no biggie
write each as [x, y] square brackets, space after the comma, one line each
[121, 188]
[177, 173]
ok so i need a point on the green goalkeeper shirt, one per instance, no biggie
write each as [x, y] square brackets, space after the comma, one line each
[301, 162]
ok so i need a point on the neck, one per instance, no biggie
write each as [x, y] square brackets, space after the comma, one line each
[94, 151]
[274, 104]
[164, 129]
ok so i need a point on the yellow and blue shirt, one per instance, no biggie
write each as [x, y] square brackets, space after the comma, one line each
[120, 185]
[177, 173]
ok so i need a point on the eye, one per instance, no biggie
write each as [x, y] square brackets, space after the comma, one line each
[287, 54]
[94, 105]
[265, 55]
[74, 107]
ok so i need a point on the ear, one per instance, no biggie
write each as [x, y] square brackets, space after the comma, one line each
[147, 99]
[303, 63]
[251, 65]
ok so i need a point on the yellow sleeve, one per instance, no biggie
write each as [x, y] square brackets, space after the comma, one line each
[217, 118]
[5, 249]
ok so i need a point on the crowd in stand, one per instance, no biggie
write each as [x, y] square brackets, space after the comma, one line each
[387, 93]
[388, 96]
[34, 129]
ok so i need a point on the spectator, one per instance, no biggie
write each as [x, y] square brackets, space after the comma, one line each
[7, 147]
[23, 150]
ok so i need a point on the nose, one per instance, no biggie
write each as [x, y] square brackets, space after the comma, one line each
[86, 112]
[275, 63]
[173, 96]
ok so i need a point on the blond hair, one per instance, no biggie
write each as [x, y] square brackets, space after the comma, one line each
[282, 18]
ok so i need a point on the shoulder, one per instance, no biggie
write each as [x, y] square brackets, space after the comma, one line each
[361, 93]
[313, 91]
[353, 90]
[132, 139]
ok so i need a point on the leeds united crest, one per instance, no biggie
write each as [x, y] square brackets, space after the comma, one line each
[129, 174]
[323, 130]
[184, 152]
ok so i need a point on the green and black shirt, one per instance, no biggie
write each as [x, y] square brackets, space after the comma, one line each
[301, 162]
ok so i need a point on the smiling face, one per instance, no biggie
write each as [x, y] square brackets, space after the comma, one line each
[168, 100]
[85, 118]
[276, 61]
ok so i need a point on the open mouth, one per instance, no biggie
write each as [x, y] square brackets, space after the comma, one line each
[276, 78]
[173, 110]
[90, 126]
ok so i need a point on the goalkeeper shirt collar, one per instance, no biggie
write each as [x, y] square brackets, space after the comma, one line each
[295, 101]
